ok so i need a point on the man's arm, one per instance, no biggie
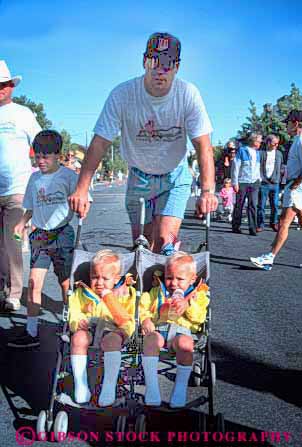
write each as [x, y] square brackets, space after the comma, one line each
[79, 199]
[208, 201]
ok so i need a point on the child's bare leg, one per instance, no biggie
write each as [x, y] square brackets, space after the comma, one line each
[34, 294]
[183, 345]
[111, 344]
[79, 347]
[152, 344]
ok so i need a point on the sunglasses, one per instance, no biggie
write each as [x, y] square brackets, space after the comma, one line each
[6, 84]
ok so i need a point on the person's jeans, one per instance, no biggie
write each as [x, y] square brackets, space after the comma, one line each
[11, 265]
[271, 192]
[249, 190]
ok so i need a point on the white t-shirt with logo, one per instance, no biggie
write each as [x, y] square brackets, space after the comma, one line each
[46, 196]
[18, 127]
[270, 163]
[153, 130]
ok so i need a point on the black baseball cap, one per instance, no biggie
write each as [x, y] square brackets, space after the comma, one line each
[294, 115]
[48, 142]
[165, 47]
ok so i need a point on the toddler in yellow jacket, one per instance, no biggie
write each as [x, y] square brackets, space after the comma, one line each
[177, 302]
[115, 306]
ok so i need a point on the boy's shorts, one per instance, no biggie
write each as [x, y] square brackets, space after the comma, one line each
[292, 198]
[54, 246]
[165, 195]
[169, 331]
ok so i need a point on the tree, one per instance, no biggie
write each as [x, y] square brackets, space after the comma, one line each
[271, 119]
[37, 109]
[66, 141]
[253, 123]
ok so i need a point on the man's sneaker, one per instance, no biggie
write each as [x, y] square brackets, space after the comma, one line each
[263, 262]
[11, 304]
[168, 249]
[24, 340]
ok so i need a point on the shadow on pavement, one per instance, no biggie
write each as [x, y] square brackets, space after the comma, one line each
[240, 369]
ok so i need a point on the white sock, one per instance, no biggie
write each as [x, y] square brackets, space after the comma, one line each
[179, 393]
[112, 364]
[152, 394]
[271, 255]
[32, 326]
[79, 369]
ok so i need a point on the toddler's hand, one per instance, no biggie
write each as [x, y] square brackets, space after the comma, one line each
[179, 306]
[147, 326]
[83, 325]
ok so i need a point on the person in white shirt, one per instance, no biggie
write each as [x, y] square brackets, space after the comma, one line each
[52, 241]
[155, 113]
[292, 198]
[270, 170]
[18, 127]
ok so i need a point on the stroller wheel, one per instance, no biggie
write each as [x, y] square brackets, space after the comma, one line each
[195, 380]
[121, 423]
[140, 424]
[220, 426]
[60, 425]
[41, 422]
[202, 422]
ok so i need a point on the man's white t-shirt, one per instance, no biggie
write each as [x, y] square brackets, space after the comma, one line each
[270, 162]
[18, 127]
[153, 130]
[46, 196]
[294, 160]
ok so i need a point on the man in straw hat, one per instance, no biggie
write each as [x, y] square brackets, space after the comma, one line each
[155, 113]
[18, 127]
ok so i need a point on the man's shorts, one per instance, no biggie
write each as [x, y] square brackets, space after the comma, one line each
[292, 198]
[55, 246]
[165, 195]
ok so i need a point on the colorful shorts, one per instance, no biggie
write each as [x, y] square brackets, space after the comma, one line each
[165, 195]
[54, 246]
[292, 198]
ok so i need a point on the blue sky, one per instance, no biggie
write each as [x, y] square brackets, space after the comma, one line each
[71, 53]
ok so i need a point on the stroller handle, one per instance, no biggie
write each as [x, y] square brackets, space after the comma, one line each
[78, 235]
[142, 214]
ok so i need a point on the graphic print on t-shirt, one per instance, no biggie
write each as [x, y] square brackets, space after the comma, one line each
[50, 199]
[150, 134]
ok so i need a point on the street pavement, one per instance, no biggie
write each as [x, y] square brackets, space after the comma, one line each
[256, 330]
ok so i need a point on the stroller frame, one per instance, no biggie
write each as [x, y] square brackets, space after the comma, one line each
[129, 407]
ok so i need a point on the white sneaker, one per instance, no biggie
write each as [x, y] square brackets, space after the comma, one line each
[12, 304]
[263, 262]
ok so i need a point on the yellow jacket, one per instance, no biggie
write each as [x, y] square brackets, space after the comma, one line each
[82, 309]
[192, 318]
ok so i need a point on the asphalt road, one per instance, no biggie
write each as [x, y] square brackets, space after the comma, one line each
[256, 319]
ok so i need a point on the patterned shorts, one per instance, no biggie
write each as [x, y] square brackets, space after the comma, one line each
[55, 246]
[165, 195]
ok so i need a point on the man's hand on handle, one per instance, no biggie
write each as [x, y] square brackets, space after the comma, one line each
[206, 203]
[78, 202]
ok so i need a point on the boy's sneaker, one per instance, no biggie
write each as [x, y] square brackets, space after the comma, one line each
[263, 262]
[24, 340]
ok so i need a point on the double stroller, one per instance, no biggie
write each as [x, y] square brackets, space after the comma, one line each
[128, 413]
